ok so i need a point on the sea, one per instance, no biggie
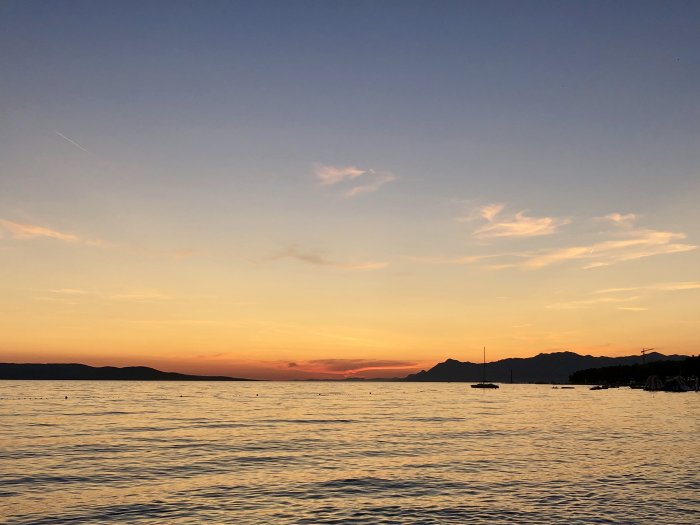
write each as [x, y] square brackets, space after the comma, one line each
[100, 452]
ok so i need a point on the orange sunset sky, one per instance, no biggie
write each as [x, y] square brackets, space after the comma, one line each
[354, 189]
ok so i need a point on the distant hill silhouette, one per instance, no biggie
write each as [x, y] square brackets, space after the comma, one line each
[84, 372]
[638, 373]
[542, 368]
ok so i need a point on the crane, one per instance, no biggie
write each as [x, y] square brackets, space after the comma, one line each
[644, 354]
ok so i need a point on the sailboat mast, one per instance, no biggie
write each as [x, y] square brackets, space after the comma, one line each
[484, 373]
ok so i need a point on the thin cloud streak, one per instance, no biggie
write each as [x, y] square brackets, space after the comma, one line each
[177, 254]
[319, 260]
[612, 295]
[641, 244]
[620, 220]
[346, 367]
[22, 231]
[632, 308]
[329, 175]
[661, 287]
[673, 287]
[644, 243]
[352, 365]
[364, 180]
[626, 243]
[518, 225]
[588, 303]
[379, 179]
[76, 144]
[468, 259]
[19, 230]
[142, 296]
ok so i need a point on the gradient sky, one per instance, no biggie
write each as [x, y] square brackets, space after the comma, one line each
[319, 189]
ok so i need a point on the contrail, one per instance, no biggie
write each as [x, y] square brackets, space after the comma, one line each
[72, 142]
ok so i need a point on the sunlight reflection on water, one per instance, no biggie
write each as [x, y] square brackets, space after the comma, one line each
[139, 452]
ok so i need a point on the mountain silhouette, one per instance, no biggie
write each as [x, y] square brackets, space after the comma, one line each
[61, 371]
[543, 368]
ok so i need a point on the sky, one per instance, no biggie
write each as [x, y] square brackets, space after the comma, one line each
[286, 190]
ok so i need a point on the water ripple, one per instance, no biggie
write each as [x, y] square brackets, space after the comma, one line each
[293, 453]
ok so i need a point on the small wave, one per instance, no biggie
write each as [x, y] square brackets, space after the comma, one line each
[434, 419]
[308, 421]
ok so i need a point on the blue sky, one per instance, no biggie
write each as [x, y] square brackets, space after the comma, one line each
[496, 96]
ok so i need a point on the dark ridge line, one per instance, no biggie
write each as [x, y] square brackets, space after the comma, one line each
[80, 372]
[555, 367]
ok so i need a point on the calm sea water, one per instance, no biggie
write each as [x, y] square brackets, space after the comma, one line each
[185, 453]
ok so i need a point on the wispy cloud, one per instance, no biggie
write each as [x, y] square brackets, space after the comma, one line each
[673, 287]
[638, 244]
[490, 211]
[178, 254]
[56, 300]
[355, 365]
[355, 180]
[141, 296]
[616, 296]
[17, 230]
[624, 243]
[70, 291]
[320, 260]
[517, 225]
[660, 287]
[471, 259]
[75, 143]
[351, 366]
[378, 180]
[623, 221]
[23, 231]
[329, 175]
[632, 308]
[589, 303]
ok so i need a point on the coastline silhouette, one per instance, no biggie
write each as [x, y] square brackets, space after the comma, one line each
[556, 367]
[79, 372]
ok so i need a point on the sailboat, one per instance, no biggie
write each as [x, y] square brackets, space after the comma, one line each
[483, 383]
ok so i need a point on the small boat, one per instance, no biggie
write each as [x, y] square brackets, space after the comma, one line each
[653, 384]
[483, 383]
[599, 387]
[676, 384]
